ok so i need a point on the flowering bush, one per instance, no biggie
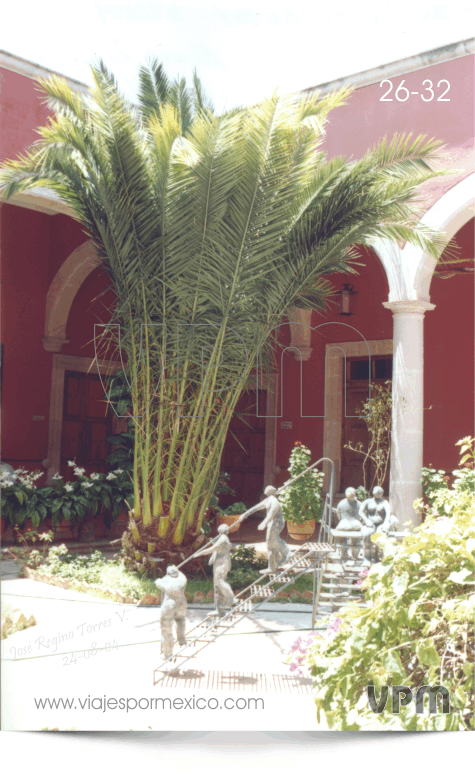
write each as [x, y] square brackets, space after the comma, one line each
[302, 500]
[223, 488]
[23, 500]
[298, 656]
[418, 628]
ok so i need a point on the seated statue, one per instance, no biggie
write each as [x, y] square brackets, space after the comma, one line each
[376, 511]
[348, 512]
[376, 514]
[349, 520]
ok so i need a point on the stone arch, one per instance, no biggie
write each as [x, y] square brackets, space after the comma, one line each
[448, 214]
[64, 287]
[410, 269]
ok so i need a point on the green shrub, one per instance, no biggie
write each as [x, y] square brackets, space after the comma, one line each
[22, 499]
[246, 567]
[418, 628]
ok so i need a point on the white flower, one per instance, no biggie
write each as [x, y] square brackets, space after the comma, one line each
[95, 476]
[57, 476]
[86, 484]
[111, 476]
[71, 463]
[78, 471]
[118, 471]
[68, 487]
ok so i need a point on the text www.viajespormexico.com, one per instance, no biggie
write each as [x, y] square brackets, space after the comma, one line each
[103, 703]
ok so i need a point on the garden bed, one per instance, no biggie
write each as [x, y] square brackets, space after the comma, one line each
[109, 579]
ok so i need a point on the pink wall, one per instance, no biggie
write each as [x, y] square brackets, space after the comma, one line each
[365, 119]
[21, 112]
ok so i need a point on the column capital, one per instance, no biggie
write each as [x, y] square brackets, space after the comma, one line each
[300, 320]
[409, 307]
[54, 344]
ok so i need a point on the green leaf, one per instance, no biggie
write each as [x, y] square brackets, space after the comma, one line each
[392, 664]
[460, 576]
[119, 439]
[117, 456]
[427, 653]
[468, 668]
[400, 584]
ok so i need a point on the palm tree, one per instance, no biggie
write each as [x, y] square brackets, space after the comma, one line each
[210, 229]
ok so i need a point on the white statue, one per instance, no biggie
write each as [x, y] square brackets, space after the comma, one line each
[376, 515]
[349, 520]
[221, 562]
[173, 608]
[377, 510]
[278, 552]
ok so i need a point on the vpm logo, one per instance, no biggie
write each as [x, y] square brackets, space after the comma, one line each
[378, 706]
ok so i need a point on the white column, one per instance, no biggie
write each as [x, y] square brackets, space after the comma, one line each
[408, 396]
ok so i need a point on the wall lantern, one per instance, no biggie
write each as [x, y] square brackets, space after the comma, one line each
[348, 299]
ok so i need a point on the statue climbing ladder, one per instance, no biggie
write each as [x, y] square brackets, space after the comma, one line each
[304, 560]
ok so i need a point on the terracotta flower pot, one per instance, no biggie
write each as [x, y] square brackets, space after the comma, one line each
[301, 530]
[228, 520]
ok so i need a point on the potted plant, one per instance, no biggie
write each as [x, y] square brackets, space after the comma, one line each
[302, 502]
[223, 488]
[230, 515]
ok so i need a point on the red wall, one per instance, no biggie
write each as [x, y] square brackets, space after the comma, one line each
[371, 321]
[34, 245]
[26, 373]
[91, 305]
[448, 362]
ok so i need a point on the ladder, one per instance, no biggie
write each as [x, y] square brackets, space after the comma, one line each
[337, 583]
[306, 559]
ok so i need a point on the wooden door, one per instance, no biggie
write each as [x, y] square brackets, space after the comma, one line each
[243, 455]
[86, 423]
[354, 428]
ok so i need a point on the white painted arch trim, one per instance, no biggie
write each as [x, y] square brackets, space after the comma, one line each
[410, 270]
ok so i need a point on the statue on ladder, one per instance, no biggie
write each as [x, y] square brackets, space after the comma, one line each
[220, 560]
[278, 552]
[173, 609]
